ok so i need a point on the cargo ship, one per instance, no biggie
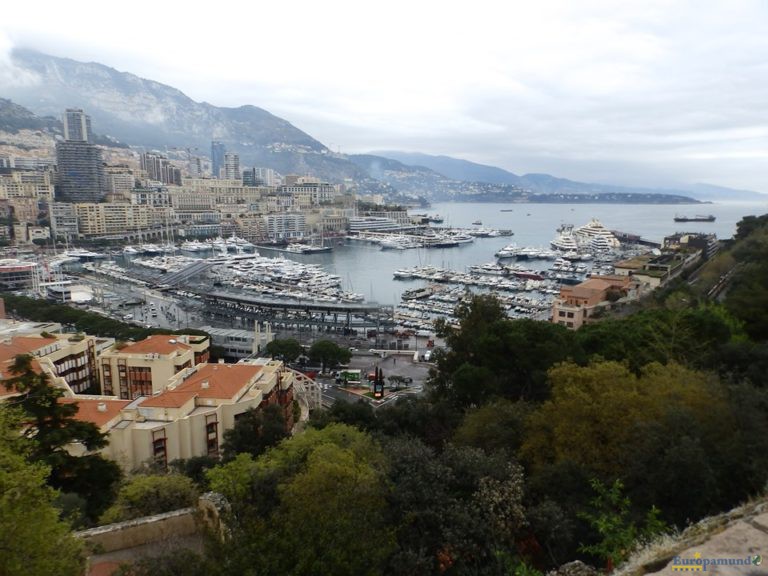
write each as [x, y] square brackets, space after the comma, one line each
[697, 218]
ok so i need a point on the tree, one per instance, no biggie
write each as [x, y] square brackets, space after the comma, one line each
[35, 540]
[315, 504]
[53, 426]
[593, 409]
[489, 355]
[329, 353]
[195, 468]
[288, 349]
[254, 432]
[619, 535]
[144, 495]
[496, 426]
[460, 509]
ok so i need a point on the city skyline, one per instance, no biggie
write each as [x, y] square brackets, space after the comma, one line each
[661, 94]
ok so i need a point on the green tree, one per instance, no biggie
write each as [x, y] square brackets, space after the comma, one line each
[35, 540]
[329, 354]
[489, 356]
[499, 425]
[619, 535]
[144, 495]
[195, 468]
[593, 409]
[254, 432]
[458, 510]
[315, 504]
[54, 426]
[288, 349]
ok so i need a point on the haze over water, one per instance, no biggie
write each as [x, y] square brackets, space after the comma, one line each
[367, 269]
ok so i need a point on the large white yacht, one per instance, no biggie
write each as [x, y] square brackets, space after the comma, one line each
[565, 241]
[596, 236]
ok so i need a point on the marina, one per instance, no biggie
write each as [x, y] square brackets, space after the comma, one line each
[392, 280]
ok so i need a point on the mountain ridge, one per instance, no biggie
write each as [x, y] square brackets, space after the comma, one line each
[466, 170]
[150, 114]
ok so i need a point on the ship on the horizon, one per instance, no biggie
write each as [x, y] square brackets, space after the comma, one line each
[697, 218]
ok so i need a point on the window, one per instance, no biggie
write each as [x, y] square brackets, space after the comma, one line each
[212, 435]
[561, 313]
[159, 448]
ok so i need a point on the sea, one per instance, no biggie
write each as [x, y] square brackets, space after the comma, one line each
[367, 269]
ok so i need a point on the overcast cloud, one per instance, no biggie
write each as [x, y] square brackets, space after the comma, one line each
[647, 92]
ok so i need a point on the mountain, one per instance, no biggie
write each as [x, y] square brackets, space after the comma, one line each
[467, 171]
[454, 168]
[14, 118]
[146, 113]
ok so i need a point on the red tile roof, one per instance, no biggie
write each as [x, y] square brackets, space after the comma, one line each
[88, 409]
[157, 344]
[9, 351]
[22, 345]
[219, 381]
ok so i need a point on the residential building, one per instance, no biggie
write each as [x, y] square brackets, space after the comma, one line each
[232, 167]
[577, 304]
[159, 169]
[189, 416]
[77, 126]
[217, 157]
[71, 357]
[285, 226]
[309, 192]
[144, 368]
[64, 220]
[707, 244]
[120, 179]
[35, 184]
[240, 344]
[80, 172]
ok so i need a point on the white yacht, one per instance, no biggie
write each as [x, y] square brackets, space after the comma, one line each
[565, 242]
[595, 229]
[194, 246]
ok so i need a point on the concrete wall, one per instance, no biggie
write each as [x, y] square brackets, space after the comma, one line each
[150, 529]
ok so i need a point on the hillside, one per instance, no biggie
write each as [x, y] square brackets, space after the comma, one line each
[142, 112]
[464, 170]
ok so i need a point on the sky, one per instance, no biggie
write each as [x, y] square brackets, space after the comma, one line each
[649, 92]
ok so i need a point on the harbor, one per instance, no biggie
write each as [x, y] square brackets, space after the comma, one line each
[367, 284]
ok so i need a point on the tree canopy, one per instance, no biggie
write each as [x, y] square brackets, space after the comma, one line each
[35, 540]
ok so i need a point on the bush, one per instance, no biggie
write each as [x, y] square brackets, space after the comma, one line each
[147, 495]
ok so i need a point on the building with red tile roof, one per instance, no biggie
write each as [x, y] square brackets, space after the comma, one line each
[144, 368]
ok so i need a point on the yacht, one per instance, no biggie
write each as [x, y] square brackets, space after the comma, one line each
[83, 254]
[594, 229]
[194, 246]
[509, 251]
[565, 242]
[298, 248]
[130, 251]
[150, 249]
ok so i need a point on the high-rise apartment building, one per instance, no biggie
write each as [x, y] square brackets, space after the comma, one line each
[80, 164]
[160, 169]
[77, 126]
[232, 166]
[217, 157]
[80, 172]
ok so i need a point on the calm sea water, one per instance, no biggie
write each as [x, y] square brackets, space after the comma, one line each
[367, 269]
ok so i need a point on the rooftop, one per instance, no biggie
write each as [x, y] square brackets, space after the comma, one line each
[219, 381]
[89, 410]
[157, 344]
